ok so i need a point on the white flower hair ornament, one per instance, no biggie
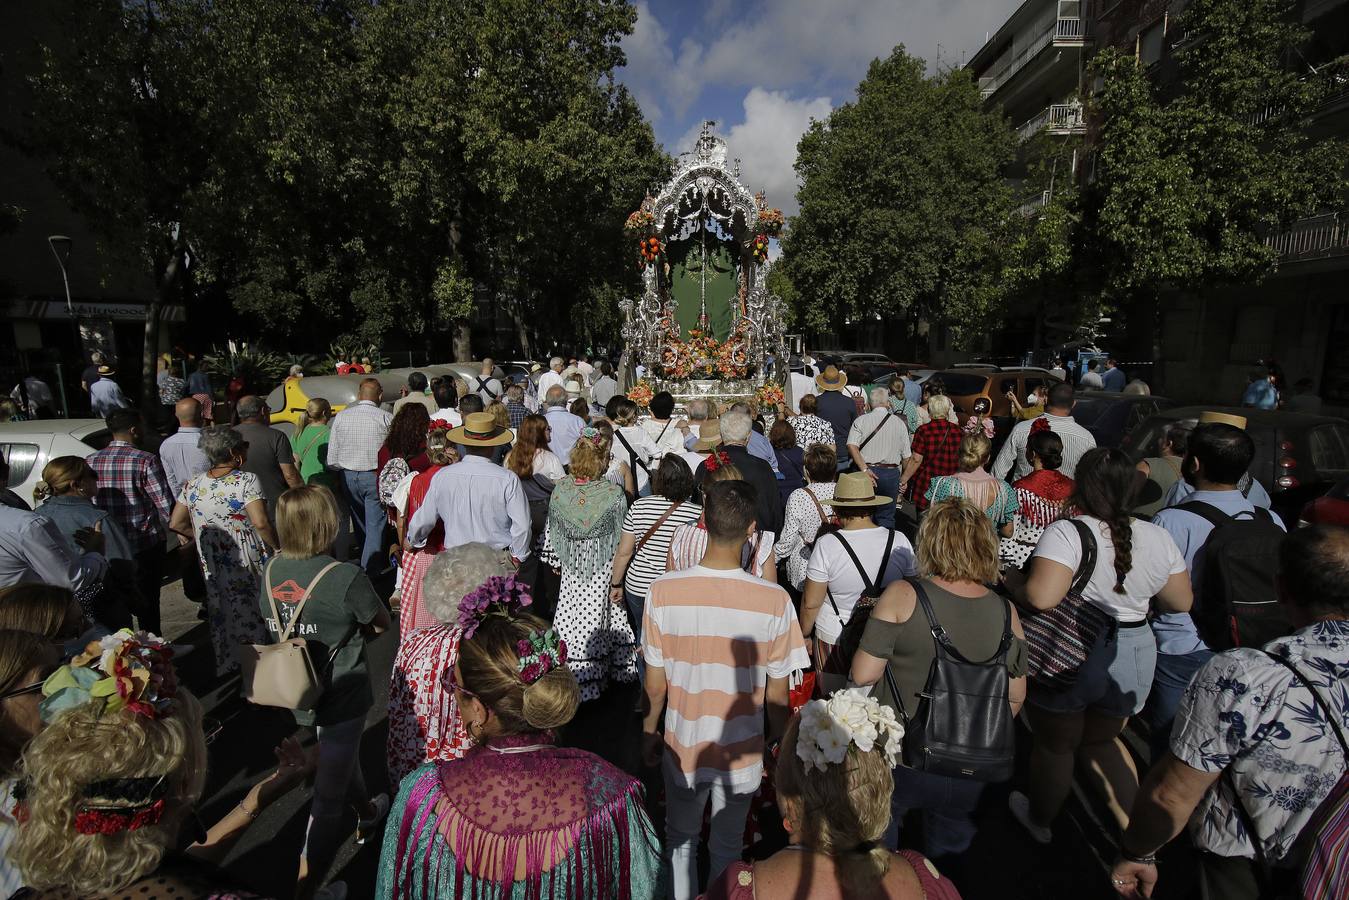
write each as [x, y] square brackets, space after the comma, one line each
[848, 718]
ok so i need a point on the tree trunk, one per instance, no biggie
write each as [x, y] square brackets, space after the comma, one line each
[168, 282]
[463, 341]
[521, 329]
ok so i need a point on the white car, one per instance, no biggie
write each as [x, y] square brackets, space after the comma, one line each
[29, 446]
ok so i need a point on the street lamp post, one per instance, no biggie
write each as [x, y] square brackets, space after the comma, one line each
[61, 245]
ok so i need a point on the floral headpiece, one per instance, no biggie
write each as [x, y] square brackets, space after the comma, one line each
[593, 435]
[439, 426]
[716, 459]
[540, 653]
[500, 595]
[1039, 425]
[130, 669]
[849, 718]
[111, 805]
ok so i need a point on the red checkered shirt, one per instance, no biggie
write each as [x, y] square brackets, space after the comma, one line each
[133, 488]
[939, 445]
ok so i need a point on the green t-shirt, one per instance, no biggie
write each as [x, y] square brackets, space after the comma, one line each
[311, 455]
[341, 601]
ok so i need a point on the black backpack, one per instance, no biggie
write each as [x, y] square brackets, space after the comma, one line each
[840, 659]
[963, 725]
[1236, 605]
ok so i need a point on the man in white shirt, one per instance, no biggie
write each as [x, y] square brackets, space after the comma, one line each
[446, 399]
[1091, 381]
[878, 443]
[1058, 371]
[474, 499]
[487, 387]
[553, 377]
[353, 448]
[566, 427]
[105, 395]
[800, 383]
[1059, 414]
[585, 368]
[179, 453]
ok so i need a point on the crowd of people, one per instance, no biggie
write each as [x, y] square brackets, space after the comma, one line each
[817, 626]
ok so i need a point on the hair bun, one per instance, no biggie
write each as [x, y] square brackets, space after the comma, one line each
[551, 701]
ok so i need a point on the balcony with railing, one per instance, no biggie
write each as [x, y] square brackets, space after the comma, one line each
[1316, 237]
[1055, 30]
[1332, 81]
[1059, 119]
[1033, 204]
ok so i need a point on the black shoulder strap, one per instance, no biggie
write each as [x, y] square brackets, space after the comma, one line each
[1088, 563]
[632, 454]
[944, 640]
[1206, 511]
[867, 439]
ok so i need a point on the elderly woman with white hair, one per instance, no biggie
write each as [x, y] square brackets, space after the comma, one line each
[223, 509]
[424, 720]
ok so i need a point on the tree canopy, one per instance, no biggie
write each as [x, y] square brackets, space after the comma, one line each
[903, 204]
[348, 169]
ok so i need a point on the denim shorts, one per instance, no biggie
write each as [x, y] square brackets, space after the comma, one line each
[1114, 680]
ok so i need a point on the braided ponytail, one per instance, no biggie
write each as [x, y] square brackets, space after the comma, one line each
[1105, 488]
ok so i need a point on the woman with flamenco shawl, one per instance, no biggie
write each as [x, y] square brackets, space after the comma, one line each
[517, 816]
[580, 539]
[1042, 496]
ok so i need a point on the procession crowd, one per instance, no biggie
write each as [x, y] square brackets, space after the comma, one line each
[826, 616]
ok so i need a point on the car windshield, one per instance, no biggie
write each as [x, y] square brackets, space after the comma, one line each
[958, 384]
[1088, 409]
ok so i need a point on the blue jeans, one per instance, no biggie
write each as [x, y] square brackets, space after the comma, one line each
[887, 483]
[1173, 676]
[948, 806]
[366, 512]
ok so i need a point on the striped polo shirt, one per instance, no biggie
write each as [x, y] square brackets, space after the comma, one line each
[719, 635]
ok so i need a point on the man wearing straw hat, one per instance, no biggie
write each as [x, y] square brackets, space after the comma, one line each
[1249, 487]
[837, 408]
[474, 499]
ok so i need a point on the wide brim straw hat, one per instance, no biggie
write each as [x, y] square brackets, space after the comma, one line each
[831, 379]
[856, 489]
[709, 436]
[1217, 418]
[480, 430]
[107, 370]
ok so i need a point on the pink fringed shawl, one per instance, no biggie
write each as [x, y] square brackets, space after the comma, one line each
[488, 808]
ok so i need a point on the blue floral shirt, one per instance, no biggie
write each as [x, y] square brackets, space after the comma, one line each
[1246, 710]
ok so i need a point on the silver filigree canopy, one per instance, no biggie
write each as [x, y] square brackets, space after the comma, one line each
[703, 185]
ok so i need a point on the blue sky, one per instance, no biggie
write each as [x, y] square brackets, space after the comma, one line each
[764, 68]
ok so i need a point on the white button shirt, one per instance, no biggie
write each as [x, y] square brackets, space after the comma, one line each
[1076, 441]
[547, 380]
[566, 429]
[888, 445]
[357, 434]
[182, 458]
[476, 500]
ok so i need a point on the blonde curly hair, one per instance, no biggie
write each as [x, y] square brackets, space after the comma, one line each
[82, 747]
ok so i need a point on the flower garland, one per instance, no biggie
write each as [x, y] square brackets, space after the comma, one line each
[640, 223]
[127, 670]
[641, 393]
[500, 595]
[702, 355]
[849, 718]
[540, 653]
[770, 395]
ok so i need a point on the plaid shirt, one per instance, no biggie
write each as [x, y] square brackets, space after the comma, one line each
[517, 412]
[133, 488]
[939, 445]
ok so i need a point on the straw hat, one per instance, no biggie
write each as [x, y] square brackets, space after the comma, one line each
[573, 389]
[480, 430]
[105, 371]
[856, 489]
[709, 436]
[831, 379]
[1217, 418]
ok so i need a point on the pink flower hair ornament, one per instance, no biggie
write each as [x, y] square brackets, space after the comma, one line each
[540, 653]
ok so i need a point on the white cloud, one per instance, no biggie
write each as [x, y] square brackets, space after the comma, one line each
[661, 83]
[765, 141]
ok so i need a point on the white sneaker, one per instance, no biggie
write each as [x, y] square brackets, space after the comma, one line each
[333, 890]
[1019, 804]
[367, 828]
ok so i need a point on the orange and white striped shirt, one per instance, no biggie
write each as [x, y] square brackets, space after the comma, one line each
[719, 634]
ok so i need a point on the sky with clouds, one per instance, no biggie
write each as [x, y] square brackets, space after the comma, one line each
[764, 68]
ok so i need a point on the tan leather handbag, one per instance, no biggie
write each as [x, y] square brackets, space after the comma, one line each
[283, 674]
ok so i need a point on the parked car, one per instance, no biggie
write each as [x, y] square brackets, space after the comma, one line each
[1110, 417]
[965, 385]
[881, 373]
[29, 446]
[1298, 457]
[1331, 508]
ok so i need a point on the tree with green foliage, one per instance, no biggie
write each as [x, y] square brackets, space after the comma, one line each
[349, 169]
[1187, 186]
[903, 204]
